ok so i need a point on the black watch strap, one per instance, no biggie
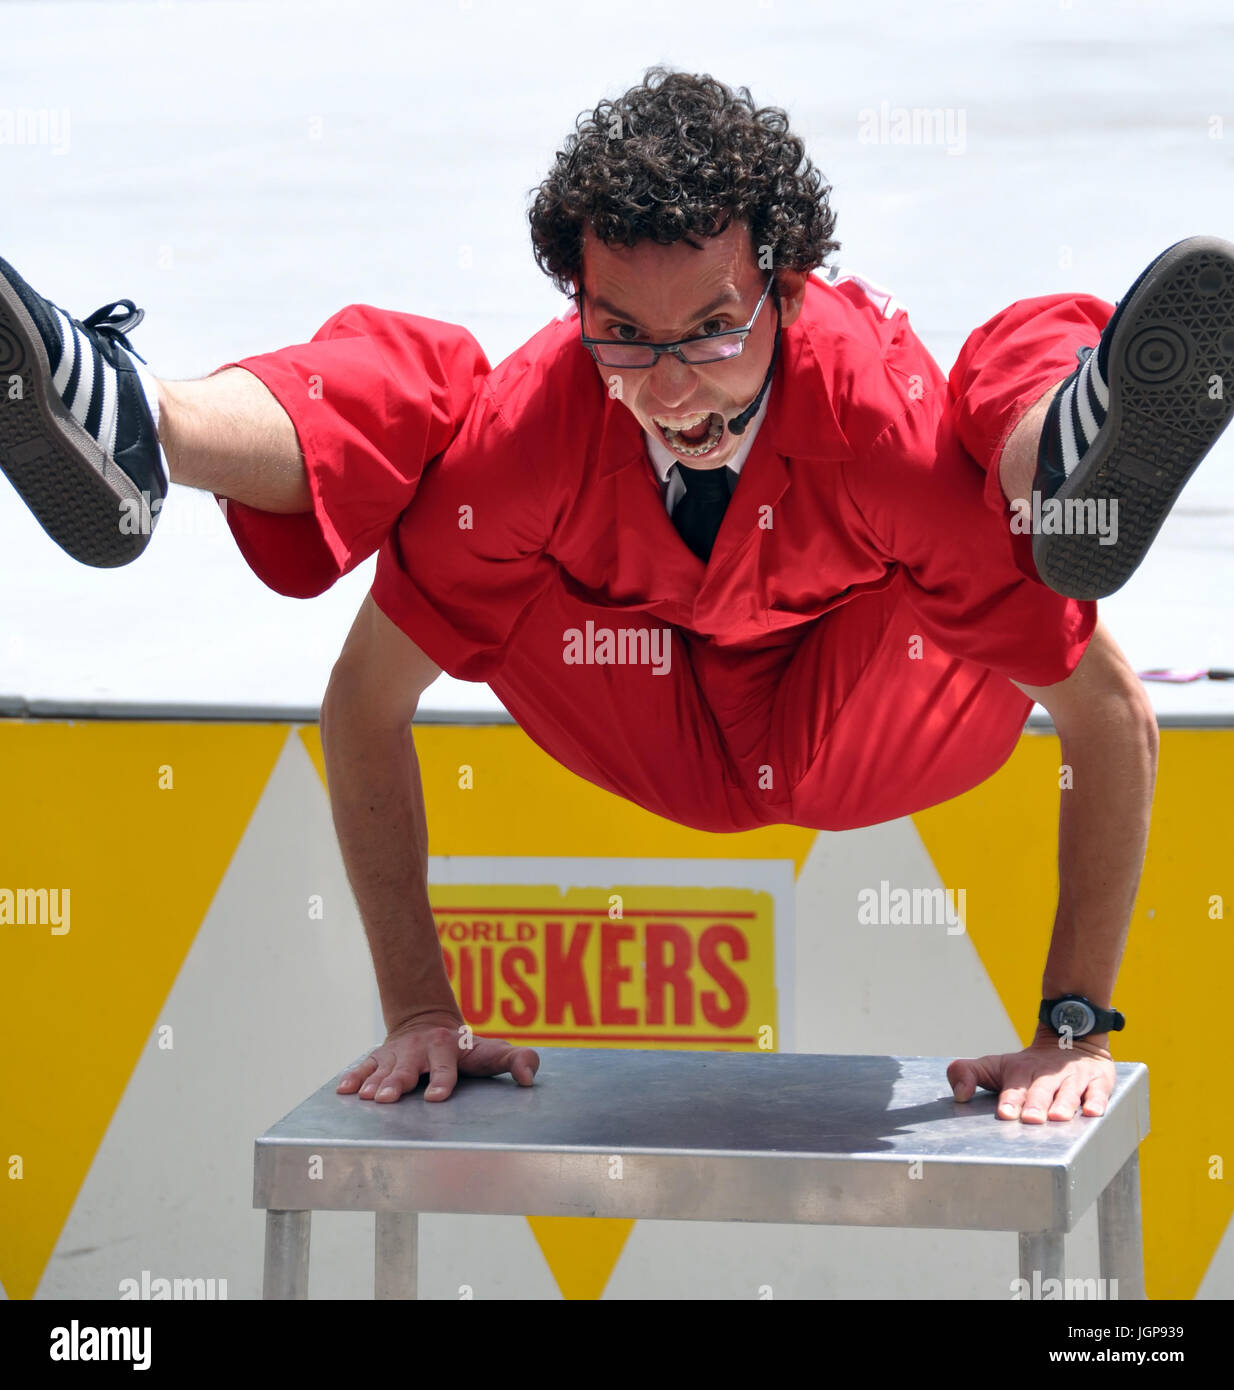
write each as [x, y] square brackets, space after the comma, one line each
[1103, 1020]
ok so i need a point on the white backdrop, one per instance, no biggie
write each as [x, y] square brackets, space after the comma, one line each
[244, 170]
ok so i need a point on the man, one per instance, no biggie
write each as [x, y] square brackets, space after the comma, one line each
[722, 538]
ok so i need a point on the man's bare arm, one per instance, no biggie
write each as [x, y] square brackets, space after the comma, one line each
[1108, 735]
[377, 802]
[1109, 741]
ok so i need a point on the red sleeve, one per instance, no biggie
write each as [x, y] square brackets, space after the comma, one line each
[921, 497]
[372, 397]
[468, 556]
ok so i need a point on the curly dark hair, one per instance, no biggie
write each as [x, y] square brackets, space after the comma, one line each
[680, 157]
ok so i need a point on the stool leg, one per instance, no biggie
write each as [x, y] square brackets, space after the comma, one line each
[287, 1254]
[1118, 1231]
[397, 1257]
[1041, 1255]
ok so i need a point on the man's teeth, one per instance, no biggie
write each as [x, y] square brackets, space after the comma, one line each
[674, 429]
[687, 422]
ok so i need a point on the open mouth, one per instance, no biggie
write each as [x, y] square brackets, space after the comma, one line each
[692, 436]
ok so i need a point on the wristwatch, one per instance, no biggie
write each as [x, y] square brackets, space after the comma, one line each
[1080, 1015]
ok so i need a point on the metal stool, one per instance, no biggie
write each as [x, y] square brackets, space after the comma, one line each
[706, 1136]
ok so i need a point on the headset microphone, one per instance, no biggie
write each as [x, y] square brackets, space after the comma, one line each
[739, 422]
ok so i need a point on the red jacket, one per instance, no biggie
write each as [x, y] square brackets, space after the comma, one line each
[859, 468]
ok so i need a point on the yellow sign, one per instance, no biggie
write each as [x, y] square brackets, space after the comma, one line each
[622, 965]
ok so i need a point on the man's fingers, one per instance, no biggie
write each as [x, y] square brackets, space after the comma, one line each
[966, 1074]
[524, 1063]
[1039, 1099]
[390, 1072]
[486, 1057]
[443, 1064]
[495, 1057]
[1098, 1096]
[353, 1079]
[397, 1080]
[383, 1060]
[1033, 1087]
[375, 1079]
[1067, 1101]
[1009, 1102]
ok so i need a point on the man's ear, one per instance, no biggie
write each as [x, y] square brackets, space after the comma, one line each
[791, 288]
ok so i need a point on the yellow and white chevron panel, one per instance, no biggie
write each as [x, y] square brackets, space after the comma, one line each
[181, 962]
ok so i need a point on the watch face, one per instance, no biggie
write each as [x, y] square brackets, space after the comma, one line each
[1074, 1015]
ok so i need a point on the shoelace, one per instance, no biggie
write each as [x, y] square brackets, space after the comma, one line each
[115, 328]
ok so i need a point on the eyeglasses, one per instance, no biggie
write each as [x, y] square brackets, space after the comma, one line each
[707, 347]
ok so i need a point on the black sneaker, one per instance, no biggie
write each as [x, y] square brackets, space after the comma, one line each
[79, 424]
[1133, 422]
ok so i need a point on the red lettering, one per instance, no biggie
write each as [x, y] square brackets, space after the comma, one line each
[613, 974]
[564, 984]
[664, 974]
[477, 1014]
[480, 931]
[738, 997]
[516, 1017]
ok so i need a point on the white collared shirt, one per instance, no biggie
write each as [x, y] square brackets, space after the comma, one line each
[672, 485]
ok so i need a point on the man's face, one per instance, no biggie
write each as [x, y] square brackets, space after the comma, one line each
[661, 294]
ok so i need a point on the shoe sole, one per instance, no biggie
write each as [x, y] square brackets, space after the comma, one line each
[77, 494]
[1176, 333]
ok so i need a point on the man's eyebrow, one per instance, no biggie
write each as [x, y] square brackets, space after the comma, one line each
[727, 298]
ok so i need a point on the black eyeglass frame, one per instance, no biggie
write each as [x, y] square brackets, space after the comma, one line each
[658, 349]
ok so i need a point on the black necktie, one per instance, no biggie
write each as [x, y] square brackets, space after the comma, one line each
[698, 514]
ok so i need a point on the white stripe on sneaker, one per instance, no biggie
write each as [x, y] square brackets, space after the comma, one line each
[76, 347]
[1083, 405]
[1066, 430]
[1101, 390]
[110, 414]
[84, 395]
[68, 352]
[1079, 422]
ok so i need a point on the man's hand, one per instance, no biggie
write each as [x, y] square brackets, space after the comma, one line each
[1043, 1082]
[437, 1042]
